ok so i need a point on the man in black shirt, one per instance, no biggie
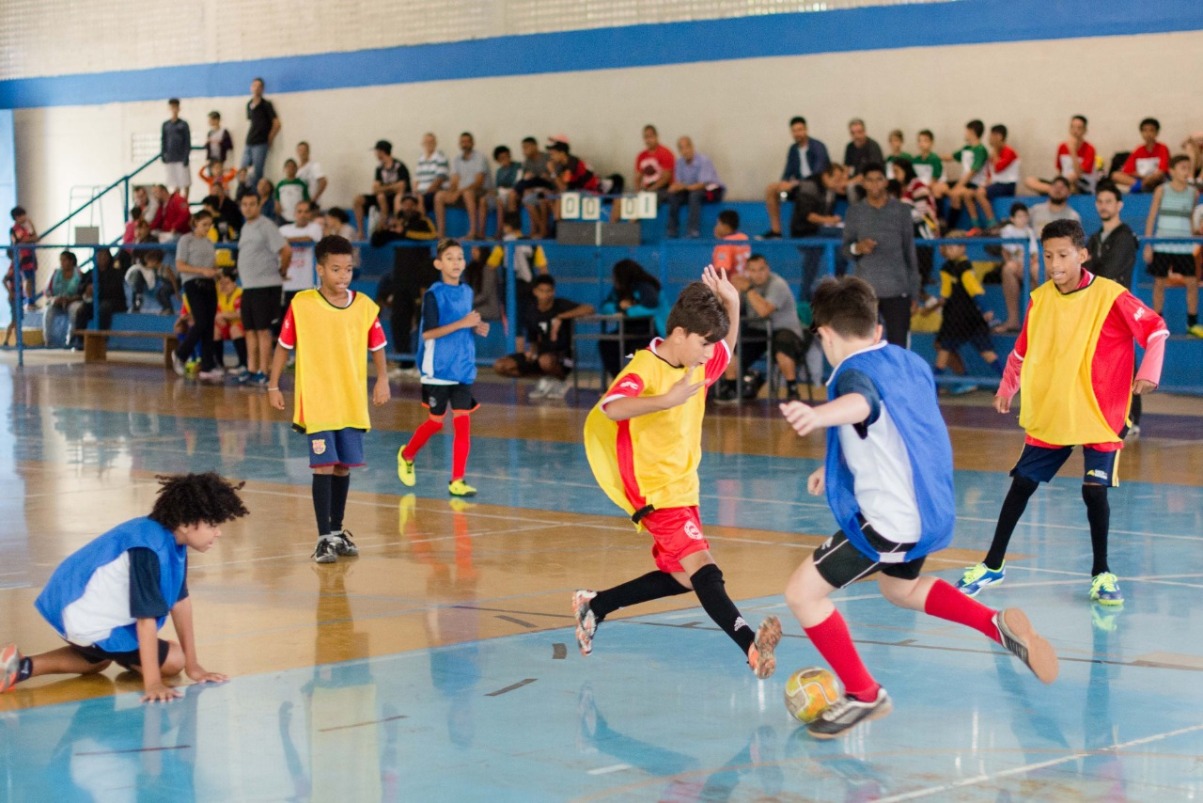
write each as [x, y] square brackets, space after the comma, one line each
[547, 350]
[814, 216]
[860, 151]
[389, 187]
[175, 143]
[413, 268]
[111, 280]
[264, 126]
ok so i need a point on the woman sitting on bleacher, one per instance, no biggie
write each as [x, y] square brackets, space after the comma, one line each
[635, 295]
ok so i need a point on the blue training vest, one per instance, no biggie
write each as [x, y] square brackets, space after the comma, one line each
[908, 392]
[70, 581]
[452, 357]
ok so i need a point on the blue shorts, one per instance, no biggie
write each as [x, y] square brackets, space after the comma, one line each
[1041, 464]
[340, 447]
[1000, 190]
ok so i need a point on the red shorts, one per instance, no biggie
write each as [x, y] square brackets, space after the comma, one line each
[677, 532]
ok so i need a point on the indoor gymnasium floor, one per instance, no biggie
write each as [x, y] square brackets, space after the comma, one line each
[441, 664]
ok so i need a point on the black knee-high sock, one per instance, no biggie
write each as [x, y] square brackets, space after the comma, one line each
[653, 585]
[339, 485]
[1134, 413]
[321, 502]
[712, 592]
[1098, 513]
[1013, 506]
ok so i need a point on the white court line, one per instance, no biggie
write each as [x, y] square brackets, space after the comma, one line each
[1026, 768]
[608, 770]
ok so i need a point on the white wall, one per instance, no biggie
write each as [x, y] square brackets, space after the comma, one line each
[737, 111]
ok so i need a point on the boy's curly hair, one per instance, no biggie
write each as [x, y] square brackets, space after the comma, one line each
[195, 498]
[699, 312]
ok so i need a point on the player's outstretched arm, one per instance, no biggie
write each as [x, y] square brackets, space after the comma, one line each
[852, 408]
[717, 281]
[181, 618]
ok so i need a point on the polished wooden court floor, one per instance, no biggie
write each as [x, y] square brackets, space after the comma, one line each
[440, 663]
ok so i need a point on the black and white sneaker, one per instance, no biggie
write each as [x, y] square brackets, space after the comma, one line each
[325, 551]
[343, 544]
[848, 712]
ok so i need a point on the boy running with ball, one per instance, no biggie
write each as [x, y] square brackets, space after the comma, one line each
[888, 480]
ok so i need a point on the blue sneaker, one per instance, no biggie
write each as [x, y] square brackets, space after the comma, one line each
[1104, 589]
[978, 577]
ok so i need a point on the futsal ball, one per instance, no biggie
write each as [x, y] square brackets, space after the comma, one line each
[809, 692]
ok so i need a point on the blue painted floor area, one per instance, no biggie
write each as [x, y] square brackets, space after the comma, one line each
[665, 708]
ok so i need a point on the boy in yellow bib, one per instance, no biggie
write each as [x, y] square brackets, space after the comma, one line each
[1074, 359]
[329, 328]
[644, 443]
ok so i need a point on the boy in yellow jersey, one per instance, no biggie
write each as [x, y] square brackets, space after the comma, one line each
[644, 443]
[332, 325]
[1074, 359]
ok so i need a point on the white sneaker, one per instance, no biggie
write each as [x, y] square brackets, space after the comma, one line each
[541, 388]
[216, 375]
[556, 389]
[177, 364]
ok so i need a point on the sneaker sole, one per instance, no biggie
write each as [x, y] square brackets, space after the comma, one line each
[461, 495]
[768, 636]
[583, 642]
[1042, 659]
[1110, 603]
[880, 713]
[10, 664]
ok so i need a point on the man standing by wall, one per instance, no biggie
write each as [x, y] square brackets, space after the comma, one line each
[879, 239]
[264, 126]
[176, 142]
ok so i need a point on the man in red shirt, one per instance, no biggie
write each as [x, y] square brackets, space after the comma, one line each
[654, 165]
[173, 218]
[1148, 165]
[1075, 161]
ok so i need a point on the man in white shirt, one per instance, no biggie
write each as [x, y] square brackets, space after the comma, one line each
[312, 174]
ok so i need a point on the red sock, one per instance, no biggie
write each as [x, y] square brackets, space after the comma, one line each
[946, 602]
[463, 443]
[428, 428]
[833, 641]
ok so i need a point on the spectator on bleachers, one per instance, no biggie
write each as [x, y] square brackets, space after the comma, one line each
[175, 144]
[289, 192]
[1055, 208]
[267, 200]
[263, 259]
[635, 295]
[145, 200]
[879, 239]
[814, 217]
[173, 217]
[262, 132]
[1147, 166]
[211, 173]
[1018, 227]
[1003, 176]
[860, 150]
[229, 215]
[928, 165]
[508, 174]
[1076, 160]
[468, 183]
[654, 164]
[731, 255]
[145, 276]
[218, 142]
[391, 181]
[486, 292]
[196, 260]
[26, 260]
[312, 174]
[573, 174]
[413, 269]
[536, 181]
[337, 221]
[767, 300]
[109, 277]
[695, 182]
[302, 235]
[974, 161]
[1170, 216]
[545, 342]
[63, 299]
[431, 173]
[895, 142]
[806, 157]
[965, 319]
[529, 261]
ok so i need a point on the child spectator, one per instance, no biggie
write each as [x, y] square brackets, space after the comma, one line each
[1003, 175]
[151, 275]
[529, 260]
[218, 144]
[508, 174]
[289, 192]
[1076, 161]
[1170, 216]
[888, 479]
[212, 174]
[110, 598]
[1018, 227]
[730, 259]
[545, 349]
[634, 294]
[1147, 166]
[895, 141]
[644, 443]
[21, 232]
[966, 319]
[929, 167]
[974, 161]
[228, 324]
[447, 360]
[329, 324]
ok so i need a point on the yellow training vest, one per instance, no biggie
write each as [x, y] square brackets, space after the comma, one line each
[650, 459]
[332, 366]
[1059, 405]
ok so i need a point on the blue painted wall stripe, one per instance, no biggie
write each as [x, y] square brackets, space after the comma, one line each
[874, 28]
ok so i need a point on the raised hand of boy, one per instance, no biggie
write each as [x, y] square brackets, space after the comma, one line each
[717, 281]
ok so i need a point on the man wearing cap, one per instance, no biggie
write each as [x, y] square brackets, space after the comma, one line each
[391, 182]
[176, 142]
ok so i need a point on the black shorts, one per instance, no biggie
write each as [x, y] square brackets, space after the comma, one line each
[953, 340]
[437, 397]
[529, 367]
[260, 308]
[784, 341]
[1041, 464]
[94, 655]
[840, 563]
[369, 201]
[1164, 264]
